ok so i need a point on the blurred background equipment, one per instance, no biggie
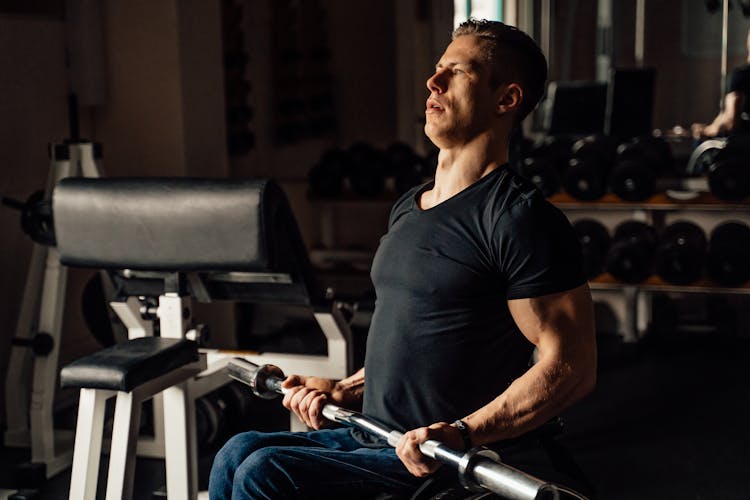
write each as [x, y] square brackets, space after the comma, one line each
[681, 253]
[631, 256]
[587, 171]
[630, 102]
[728, 263]
[595, 241]
[575, 108]
[640, 161]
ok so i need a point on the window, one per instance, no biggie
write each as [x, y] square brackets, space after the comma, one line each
[480, 9]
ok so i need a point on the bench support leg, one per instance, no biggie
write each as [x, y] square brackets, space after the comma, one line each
[180, 443]
[88, 443]
[124, 443]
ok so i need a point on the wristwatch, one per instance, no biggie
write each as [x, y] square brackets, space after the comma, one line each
[464, 430]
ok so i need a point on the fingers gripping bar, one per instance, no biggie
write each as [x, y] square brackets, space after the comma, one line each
[479, 469]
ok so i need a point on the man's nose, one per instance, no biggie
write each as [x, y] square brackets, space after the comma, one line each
[436, 83]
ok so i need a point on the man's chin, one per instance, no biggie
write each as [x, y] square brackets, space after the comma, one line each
[437, 135]
[433, 130]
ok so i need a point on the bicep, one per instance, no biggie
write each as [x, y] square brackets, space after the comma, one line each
[733, 103]
[560, 323]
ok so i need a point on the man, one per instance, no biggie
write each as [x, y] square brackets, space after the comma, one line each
[735, 117]
[475, 271]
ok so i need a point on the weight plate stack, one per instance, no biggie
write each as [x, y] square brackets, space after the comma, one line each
[727, 262]
[327, 176]
[543, 172]
[631, 256]
[585, 177]
[639, 162]
[681, 253]
[595, 241]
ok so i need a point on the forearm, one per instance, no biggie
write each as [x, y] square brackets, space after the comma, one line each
[348, 392]
[726, 120]
[721, 124]
[543, 392]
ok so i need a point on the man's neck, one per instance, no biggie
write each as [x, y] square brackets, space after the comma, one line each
[462, 165]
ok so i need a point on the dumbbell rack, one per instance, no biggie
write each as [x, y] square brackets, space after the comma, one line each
[632, 303]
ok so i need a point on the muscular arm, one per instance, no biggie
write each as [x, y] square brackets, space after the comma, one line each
[725, 121]
[561, 326]
[307, 396]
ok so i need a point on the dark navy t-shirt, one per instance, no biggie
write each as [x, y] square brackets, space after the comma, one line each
[442, 342]
[739, 81]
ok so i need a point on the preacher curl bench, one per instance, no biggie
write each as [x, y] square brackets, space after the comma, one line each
[178, 239]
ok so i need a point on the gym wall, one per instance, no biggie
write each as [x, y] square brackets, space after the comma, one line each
[32, 113]
[163, 107]
[163, 115]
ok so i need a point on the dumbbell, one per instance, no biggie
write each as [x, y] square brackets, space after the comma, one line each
[631, 255]
[681, 253]
[595, 241]
[724, 166]
[585, 177]
[545, 162]
[368, 170]
[327, 176]
[639, 162]
[542, 171]
[406, 167]
[728, 175]
[727, 261]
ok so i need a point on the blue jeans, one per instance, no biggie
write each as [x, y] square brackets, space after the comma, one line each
[319, 464]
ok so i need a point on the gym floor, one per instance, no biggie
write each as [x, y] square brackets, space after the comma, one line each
[668, 419]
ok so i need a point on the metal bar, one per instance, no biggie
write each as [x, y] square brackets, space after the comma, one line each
[640, 32]
[493, 475]
[603, 39]
[724, 50]
[545, 29]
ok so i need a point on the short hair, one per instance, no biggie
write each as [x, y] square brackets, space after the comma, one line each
[514, 57]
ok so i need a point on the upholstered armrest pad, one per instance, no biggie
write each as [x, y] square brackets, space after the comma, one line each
[171, 224]
[126, 365]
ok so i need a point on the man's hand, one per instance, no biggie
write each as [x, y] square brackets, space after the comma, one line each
[306, 398]
[697, 130]
[308, 395]
[418, 464]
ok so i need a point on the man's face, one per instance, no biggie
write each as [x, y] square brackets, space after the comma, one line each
[461, 102]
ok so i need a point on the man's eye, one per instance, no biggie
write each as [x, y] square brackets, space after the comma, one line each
[458, 71]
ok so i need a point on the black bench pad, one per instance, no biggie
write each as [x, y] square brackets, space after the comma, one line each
[125, 366]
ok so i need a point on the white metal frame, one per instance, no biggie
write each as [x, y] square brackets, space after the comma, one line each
[181, 463]
[176, 442]
[31, 380]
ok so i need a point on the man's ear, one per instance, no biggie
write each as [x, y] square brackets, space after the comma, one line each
[509, 98]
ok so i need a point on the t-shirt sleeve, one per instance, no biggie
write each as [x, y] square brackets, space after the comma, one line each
[739, 80]
[538, 250]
